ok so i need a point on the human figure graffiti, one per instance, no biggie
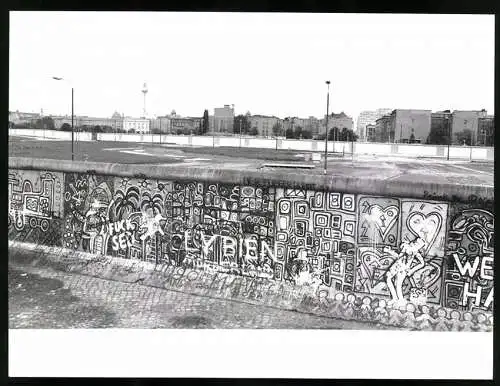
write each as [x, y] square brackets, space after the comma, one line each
[402, 267]
[425, 320]
[441, 324]
[380, 313]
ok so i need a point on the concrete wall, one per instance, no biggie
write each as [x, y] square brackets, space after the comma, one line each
[314, 234]
[413, 150]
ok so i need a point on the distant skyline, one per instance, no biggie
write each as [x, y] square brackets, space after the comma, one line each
[269, 64]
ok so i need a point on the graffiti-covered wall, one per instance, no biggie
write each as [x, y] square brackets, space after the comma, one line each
[35, 206]
[394, 248]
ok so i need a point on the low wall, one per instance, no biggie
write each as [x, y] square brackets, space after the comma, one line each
[311, 236]
[405, 150]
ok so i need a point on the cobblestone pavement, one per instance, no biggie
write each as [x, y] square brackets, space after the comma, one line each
[44, 298]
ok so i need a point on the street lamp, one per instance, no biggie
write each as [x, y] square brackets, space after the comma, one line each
[448, 126]
[72, 119]
[240, 131]
[326, 126]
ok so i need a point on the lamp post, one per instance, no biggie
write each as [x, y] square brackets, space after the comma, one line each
[72, 120]
[448, 126]
[240, 131]
[326, 125]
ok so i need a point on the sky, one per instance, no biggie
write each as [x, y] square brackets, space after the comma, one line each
[265, 63]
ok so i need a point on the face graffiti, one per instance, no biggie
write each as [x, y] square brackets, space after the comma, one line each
[396, 249]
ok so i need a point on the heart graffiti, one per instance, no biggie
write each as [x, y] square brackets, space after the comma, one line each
[425, 226]
[384, 219]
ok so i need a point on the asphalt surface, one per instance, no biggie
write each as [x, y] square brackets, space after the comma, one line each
[386, 168]
[40, 297]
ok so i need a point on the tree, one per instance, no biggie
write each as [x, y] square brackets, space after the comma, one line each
[297, 133]
[155, 130]
[66, 127]
[347, 135]
[306, 134]
[289, 133]
[277, 129]
[333, 134]
[245, 124]
[46, 123]
[253, 131]
[464, 137]
[412, 138]
[205, 125]
[437, 136]
[97, 129]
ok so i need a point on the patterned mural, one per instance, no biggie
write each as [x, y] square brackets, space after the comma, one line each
[396, 249]
[315, 236]
[35, 206]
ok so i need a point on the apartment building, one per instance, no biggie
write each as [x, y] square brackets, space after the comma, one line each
[161, 124]
[368, 118]
[440, 127]
[382, 130]
[340, 121]
[467, 120]
[370, 132]
[223, 119]
[185, 125]
[409, 125]
[264, 124]
[486, 131]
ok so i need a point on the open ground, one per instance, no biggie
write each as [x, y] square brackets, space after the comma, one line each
[383, 167]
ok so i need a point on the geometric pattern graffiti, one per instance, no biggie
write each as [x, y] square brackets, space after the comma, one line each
[315, 236]
[35, 206]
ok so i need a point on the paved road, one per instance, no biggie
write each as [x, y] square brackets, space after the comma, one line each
[44, 298]
[387, 168]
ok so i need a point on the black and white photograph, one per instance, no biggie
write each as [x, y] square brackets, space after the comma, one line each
[199, 172]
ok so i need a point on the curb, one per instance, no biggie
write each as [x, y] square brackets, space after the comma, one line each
[256, 291]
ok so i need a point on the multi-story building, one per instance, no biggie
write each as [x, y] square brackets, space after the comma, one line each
[440, 128]
[20, 118]
[467, 120]
[161, 124]
[370, 133]
[312, 124]
[138, 125]
[409, 125]
[340, 121]
[382, 131]
[115, 122]
[368, 118]
[486, 131]
[224, 119]
[185, 125]
[264, 124]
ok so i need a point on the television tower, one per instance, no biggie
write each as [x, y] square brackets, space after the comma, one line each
[144, 91]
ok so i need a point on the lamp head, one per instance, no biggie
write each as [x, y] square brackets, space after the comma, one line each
[57, 78]
[327, 82]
